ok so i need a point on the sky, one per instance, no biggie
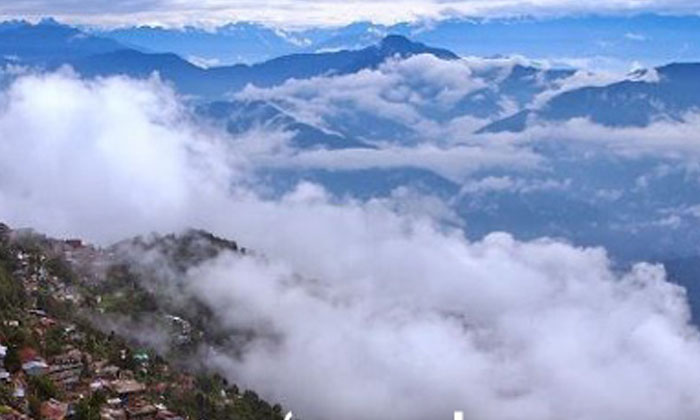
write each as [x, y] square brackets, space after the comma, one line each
[316, 12]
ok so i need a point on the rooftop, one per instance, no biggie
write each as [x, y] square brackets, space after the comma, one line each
[123, 387]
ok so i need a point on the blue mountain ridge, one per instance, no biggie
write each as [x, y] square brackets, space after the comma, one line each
[215, 81]
[652, 39]
[630, 103]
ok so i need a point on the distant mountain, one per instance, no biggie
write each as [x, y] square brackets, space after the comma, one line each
[217, 81]
[49, 41]
[630, 103]
[303, 66]
[233, 43]
[649, 38]
[354, 125]
[238, 117]
[520, 85]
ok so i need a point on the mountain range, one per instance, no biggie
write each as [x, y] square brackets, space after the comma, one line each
[49, 44]
[323, 104]
[670, 95]
[649, 38]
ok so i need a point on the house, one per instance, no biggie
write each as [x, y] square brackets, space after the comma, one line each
[37, 312]
[4, 375]
[54, 410]
[128, 390]
[19, 391]
[167, 415]
[35, 368]
[144, 412]
[74, 243]
[142, 358]
[108, 372]
[108, 413]
[97, 385]
[65, 375]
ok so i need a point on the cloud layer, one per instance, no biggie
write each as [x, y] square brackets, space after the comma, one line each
[381, 312]
[312, 12]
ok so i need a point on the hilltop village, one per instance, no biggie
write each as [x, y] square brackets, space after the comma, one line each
[56, 364]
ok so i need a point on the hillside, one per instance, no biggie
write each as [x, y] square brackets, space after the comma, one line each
[63, 354]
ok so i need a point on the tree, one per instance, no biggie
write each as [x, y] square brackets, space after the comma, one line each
[60, 268]
[53, 342]
[89, 408]
[13, 364]
[43, 388]
[5, 394]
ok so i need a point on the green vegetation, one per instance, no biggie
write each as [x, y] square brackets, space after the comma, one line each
[89, 408]
[43, 388]
[12, 294]
[5, 395]
[120, 296]
[58, 267]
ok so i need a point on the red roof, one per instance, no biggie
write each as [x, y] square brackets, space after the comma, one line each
[54, 410]
[28, 354]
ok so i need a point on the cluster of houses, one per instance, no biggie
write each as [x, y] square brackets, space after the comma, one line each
[78, 376]
[74, 372]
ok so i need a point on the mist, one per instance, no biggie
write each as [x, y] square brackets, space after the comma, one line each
[381, 310]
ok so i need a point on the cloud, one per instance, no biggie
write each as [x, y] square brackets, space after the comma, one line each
[203, 62]
[580, 79]
[414, 322]
[410, 93]
[454, 163]
[632, 36]
[323, 12]
[677, 140]
[508, 184]
[77, 154]
[381, 312]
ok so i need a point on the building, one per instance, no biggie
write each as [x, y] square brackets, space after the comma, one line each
[66, 368]
[74, 243]
[54, 410]
[65, 375]
[4, 375]
[129, 391]
[108, 413]
[144, 412]
[35, 368]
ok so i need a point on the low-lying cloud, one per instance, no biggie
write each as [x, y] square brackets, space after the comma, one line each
[381, 311]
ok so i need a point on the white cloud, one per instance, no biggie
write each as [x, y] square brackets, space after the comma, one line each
[407, 92]
[318, 12]
[76, 154]
[203, 62]
[418, 323]
[404, 318]
[581, 78]
[454, 163]
[513, 185]
[669, 139]
[632, 36]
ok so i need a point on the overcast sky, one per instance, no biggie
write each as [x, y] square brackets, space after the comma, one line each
[315, 12]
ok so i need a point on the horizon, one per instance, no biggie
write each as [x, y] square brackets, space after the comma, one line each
[299, 42]
[212, 20]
